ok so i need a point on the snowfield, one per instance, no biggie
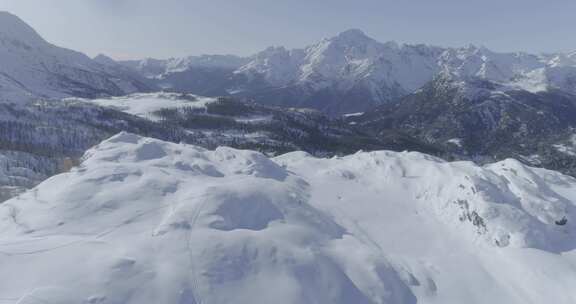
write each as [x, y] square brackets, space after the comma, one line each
[146, 221]
[145, 104]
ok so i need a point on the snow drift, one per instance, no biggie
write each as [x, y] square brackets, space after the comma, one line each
[146, 221]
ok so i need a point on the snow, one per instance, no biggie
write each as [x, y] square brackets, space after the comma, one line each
[220, 61]
[353, 114]
[567, 147]
[533, 159]
[158, 68]
[455, 141]
[254, 119]
[533, 81]
[406, 205]
[13, 28]
[32, 68]
[278, 65]
[389, 70]
[146, 221]
[569, 150]
[154, 222]
[145, 104]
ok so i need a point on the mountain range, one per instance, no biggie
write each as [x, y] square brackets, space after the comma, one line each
[458, 103]
[352, 72]
[347, 73]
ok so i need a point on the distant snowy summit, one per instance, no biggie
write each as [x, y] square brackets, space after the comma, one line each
[352, 72]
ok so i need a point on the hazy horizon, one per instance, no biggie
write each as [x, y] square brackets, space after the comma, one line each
[124, 29]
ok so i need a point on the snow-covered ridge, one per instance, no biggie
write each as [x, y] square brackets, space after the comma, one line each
[32, 68]
[156, 222]
[503, 204]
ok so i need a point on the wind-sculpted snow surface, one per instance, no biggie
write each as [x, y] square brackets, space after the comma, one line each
[146, 221]
[503, 233]
[505, 204]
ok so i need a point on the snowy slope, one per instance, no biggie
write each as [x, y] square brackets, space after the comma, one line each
[145, 221]
[468, 234]
[30, 68]
[153, 222]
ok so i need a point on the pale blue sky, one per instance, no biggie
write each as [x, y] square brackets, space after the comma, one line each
[165, 28]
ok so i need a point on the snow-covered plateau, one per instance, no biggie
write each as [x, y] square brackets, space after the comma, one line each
[146, 221]
[145, 104]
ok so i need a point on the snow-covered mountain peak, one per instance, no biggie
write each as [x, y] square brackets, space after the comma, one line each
[105, 60]
[344, 60]
[508, 212]
[158, 222]
[182, 224]
[352, 36]
[13, 30]
[353, 43]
